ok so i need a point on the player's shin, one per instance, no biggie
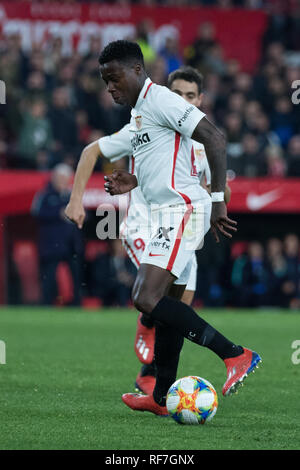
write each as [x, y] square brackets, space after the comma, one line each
[168, 344]
[185, 320]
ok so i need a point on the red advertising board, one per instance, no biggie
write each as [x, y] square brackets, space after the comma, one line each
[249, 195]
[239, 31]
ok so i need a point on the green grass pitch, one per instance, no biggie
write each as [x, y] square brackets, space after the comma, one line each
[66, 369]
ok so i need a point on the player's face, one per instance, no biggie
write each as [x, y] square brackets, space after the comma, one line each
[188, 91]
[121, 81]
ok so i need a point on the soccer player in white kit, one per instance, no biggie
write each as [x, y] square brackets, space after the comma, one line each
[161, 127]
[188, 83]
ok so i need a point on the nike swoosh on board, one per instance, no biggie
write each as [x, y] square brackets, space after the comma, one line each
[256, 202]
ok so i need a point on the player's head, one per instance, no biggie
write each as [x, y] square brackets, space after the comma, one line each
[188, 83]
[123, 70]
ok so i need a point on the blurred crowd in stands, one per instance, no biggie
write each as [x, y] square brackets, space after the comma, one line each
[58, 105]
[250, 274]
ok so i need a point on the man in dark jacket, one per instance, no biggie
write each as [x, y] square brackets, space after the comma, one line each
[59, 240]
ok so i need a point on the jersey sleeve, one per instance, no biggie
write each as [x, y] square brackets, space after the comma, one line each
[116, 146]
[172, 111]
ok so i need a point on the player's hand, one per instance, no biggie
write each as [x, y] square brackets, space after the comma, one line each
[120, 182]
[220, 222]
[76, 213]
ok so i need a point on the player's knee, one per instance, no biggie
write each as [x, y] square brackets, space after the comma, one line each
[144, 301]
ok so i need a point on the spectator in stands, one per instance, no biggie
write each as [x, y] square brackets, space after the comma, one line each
[112, 276]
[204, 41]
[278, 273]
[83, 128]
[275, 163]
[170, 53]
[59, 240]
[105, 115]
[35, 135]
[262, 129]
[291, 250]
[214, 61]
[293, 156]
[63, 122]
[144, 31]
[255, 280]
[36, 87]
[283, 120]
[252, 160]
[233, 127]
[158, 71]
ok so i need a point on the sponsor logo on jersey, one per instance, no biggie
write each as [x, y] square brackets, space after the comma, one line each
[163, 232]
[155, 254]
[139, 139]
[185, 116]
[163, 245]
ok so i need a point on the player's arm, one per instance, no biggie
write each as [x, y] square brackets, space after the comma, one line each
[89, 156]
[206, 183]
[114, 147]
[215, 148]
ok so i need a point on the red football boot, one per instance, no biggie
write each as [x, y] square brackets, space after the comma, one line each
[139, 402]
[144, 342]
[145, 383]
[238, 368]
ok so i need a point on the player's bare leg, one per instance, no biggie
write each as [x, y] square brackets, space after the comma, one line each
[188, 297]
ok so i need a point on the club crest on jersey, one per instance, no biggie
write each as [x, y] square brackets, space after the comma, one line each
[138, 122]
[199, 154]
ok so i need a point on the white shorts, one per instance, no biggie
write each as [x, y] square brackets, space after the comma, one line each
[177, 233]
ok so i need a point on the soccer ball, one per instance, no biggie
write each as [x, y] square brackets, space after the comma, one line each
[192, 400]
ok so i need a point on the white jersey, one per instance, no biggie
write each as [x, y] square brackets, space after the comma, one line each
[168, 167]
[161, 127]
[166, 163]
[117, 146]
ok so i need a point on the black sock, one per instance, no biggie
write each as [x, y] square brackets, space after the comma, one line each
[148, 369]
[168, 344]
[147, 321]
[178, 315]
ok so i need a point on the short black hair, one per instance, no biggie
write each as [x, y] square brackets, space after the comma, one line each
[122, 51]
[189, 74]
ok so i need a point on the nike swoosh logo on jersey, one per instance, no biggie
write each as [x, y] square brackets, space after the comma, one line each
[153, 254]
[256, 202]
